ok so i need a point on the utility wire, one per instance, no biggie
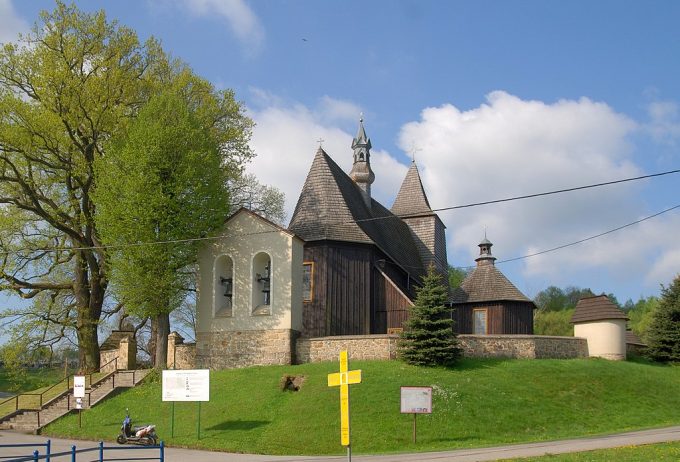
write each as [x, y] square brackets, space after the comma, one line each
[529, 196]
[209, 238]
[591, 237]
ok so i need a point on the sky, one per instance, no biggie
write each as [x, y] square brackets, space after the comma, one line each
[493, 99]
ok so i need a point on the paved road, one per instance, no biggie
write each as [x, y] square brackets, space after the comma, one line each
[464, 455]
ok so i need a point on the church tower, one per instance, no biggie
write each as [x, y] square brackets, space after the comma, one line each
[412, 206]
[361, 172]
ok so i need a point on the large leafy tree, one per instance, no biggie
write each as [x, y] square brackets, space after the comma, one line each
[428, 338]
[74, 81]
[161, 186]
[66, 90]
[663, 335]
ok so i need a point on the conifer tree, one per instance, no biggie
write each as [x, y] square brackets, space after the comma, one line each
[664, 331]
[428, 338]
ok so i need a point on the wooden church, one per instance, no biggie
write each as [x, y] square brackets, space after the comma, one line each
[346, 265]
[362, 259]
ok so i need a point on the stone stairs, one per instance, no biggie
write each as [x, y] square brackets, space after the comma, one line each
[31, 421]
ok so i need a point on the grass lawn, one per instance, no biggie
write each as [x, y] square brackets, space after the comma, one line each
[44, 379]
[34, 378]
[666, 452]
[478, 403]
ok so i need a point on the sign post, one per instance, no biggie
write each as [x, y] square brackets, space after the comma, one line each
[416, 400]
[344, 379]
[79, 394]
[186, 385]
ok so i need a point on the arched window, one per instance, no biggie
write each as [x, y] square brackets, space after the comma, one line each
[223, 284]
[262, 271]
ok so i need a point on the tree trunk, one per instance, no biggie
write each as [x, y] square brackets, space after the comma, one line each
[160, 328]
[88, 287]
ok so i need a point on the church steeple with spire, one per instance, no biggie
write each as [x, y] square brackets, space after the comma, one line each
[361, 172]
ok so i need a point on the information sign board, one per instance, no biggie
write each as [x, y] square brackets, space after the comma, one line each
[186, 385]
[79, 386]
[416, 400]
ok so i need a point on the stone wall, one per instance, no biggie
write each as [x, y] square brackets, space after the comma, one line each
[523, 346]
[180, 355]
[474, 346]
[105, 358]
[312, 350]
[224, 350]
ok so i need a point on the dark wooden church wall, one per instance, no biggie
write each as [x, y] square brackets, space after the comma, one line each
[391, 307]
[512, 317]
[341, 301]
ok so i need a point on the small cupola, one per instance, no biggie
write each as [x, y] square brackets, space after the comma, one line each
[485, 257]
[361, 172]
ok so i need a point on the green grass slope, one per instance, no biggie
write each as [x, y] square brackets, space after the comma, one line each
[478, 403]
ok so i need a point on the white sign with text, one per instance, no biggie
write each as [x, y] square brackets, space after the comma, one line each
[189, 385]
[416, 400]
[79, 386]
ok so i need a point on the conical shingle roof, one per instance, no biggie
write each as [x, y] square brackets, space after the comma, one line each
[598, 308]
[486, 284]
[411, 199]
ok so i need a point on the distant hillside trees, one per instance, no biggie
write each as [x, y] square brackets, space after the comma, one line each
[640, 315]
[428, 338]
[457, 276]
[664, 330]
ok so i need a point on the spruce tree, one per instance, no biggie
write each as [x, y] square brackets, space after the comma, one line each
[428, 338]
[664, 330]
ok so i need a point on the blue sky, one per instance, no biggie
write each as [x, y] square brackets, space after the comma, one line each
[496, 99]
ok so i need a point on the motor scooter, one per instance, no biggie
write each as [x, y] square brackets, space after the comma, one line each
[143, 434]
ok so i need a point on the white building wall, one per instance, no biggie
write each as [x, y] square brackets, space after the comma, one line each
[606, 339]
[245, 236]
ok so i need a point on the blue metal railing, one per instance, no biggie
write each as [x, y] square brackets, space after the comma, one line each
[101, 449]
[47, 444]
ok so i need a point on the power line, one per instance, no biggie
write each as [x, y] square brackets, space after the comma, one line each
[557, 191]
[209, 238]
[591, 237]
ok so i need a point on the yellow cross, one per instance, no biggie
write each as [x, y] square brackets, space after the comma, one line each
[344, 379]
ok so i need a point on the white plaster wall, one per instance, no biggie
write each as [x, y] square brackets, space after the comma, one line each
[606, 339]
[245, 236]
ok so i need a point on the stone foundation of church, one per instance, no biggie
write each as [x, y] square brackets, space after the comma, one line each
[314, 350]
[226, 350]
[523, 346]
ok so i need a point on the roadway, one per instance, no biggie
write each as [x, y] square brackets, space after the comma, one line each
[658, 435]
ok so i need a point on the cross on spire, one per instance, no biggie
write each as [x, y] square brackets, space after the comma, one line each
[320, 141]
[413, 150]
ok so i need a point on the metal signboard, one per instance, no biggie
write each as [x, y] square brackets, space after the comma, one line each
[186, 385]
[79, 386]
[416, 400]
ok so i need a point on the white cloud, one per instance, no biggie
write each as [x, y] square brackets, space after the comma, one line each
[664, 124]
[508, 147]
[285, 140]
[11, 24]
[242, 21]
[505, 147]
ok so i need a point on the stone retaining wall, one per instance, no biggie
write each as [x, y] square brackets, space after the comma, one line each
[222, 350]
[225, 350]
[313, 350]
[523, 346]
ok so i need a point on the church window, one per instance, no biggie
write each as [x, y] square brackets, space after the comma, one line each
[307, 281]
[479, 322]
[223, 284]
[262, 284]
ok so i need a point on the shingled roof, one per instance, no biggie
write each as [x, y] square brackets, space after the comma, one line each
[411, 199]
[597, 308]
[486, 284]
[331, 207]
